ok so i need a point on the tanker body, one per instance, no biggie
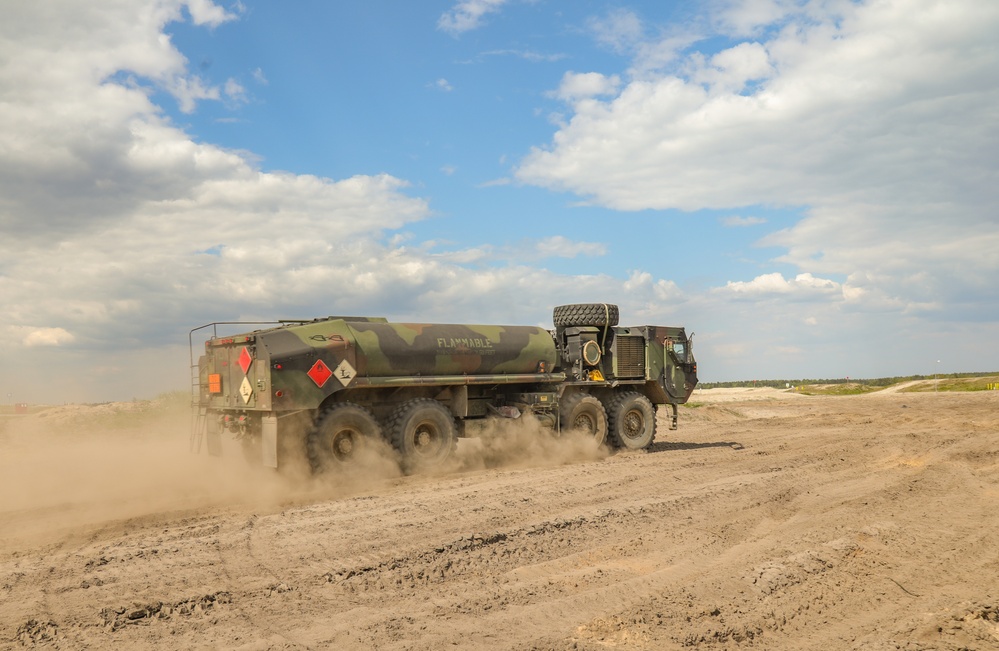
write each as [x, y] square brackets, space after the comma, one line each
[329, 387]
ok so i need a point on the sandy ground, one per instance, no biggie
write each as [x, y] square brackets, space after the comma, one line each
[770, 520]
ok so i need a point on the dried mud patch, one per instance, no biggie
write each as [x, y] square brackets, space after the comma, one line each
[114, 619]
[964, 626]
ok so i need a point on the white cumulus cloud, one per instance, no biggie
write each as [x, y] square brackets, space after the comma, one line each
[563, 247]
[467, 15]
[47, 337]
[576, 86]
[738, 220]
[874, 121]
[803, 285]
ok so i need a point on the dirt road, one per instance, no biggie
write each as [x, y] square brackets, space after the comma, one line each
[770, 520]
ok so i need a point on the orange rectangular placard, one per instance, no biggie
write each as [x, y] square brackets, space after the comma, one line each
[215, 383]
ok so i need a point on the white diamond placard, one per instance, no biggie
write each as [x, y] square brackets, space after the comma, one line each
[246, 390]
[345, 372]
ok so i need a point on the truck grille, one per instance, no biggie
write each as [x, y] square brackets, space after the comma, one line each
[629, 356]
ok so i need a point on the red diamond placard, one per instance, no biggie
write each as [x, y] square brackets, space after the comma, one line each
[245, 360]
[320, 373]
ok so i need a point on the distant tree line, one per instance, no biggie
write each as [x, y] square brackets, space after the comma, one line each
[877, 382]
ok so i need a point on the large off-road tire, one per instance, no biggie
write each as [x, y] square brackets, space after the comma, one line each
[424, 433]
[583, 412]
[340, 435]
[631, 421]
[586, 314]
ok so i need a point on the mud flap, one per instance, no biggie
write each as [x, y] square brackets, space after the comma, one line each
[213, 437]
[214, 440]
[268, 440]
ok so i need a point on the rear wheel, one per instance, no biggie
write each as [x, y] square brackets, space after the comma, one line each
[340, 435]
[424, 432]
[632, 421]
[584, 413]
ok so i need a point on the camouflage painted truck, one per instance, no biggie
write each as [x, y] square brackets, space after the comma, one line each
[329, 386]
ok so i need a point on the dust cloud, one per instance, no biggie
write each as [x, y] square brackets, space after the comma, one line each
[73, 467]
[524, 443]
[69, 467]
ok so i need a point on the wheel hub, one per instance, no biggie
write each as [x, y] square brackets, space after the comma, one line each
[343, 444]
[424, 438]
[634, 425]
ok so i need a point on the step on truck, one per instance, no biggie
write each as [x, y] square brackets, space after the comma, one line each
[328, 387]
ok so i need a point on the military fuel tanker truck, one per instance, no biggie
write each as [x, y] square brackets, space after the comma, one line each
[331, 386]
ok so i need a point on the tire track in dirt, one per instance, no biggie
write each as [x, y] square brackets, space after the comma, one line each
[810, 524]
[251, 583]
[141, 580]
[30, 587]
[48, 590]
[530, 567]
[505, 490]
[802, 597]
[121, 580]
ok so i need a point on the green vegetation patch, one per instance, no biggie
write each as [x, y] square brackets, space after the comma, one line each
[843, 389]
[950, 383]
[978, 381]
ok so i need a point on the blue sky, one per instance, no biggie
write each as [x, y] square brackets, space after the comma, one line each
[380, 87]
[811, 186]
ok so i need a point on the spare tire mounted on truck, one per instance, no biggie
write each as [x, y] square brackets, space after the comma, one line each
[331, 387]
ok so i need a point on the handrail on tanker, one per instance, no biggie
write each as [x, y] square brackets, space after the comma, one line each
[214, 326]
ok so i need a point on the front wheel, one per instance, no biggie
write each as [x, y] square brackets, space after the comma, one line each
[584, 413]
[424, 432]
[632, 421]
[341, 432]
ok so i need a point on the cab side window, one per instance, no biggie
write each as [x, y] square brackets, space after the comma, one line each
[680, 350]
